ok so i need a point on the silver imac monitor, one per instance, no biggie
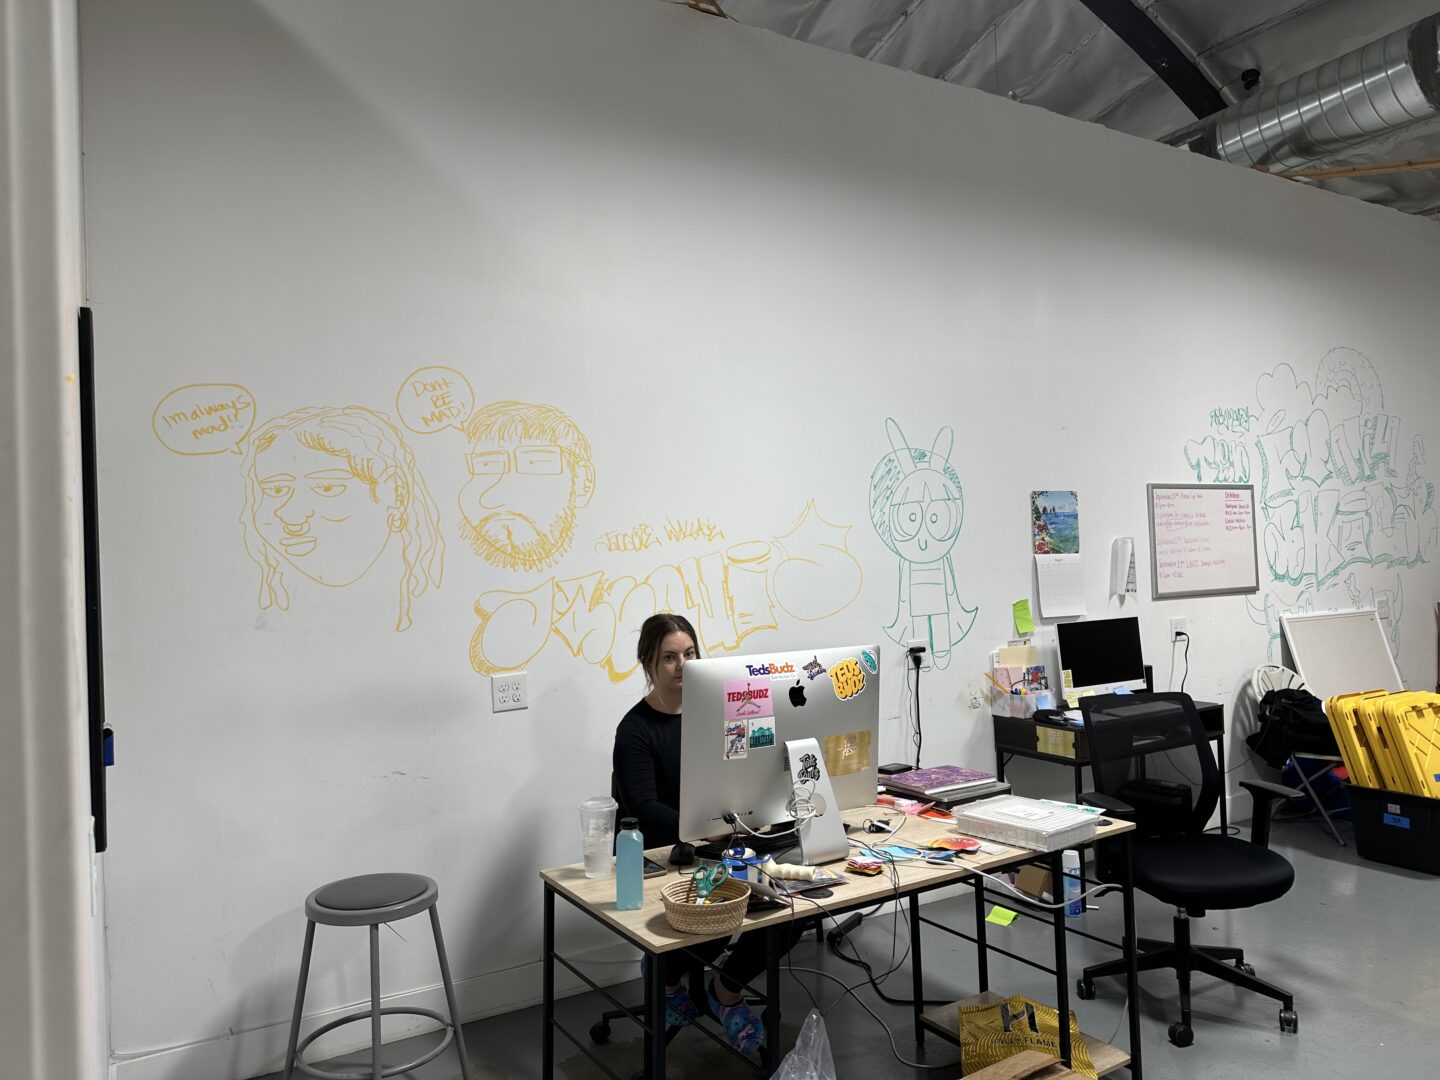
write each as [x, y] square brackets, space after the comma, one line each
[739, 711]
[1101, 655]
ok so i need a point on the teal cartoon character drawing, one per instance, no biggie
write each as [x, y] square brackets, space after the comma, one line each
[916, 506]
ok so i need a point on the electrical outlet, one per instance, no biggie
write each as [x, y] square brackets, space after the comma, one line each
[1177, 628]
[509, 692]
[917, 643]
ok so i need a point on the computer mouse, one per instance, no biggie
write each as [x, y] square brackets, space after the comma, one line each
[682, 854]
[1104, 821]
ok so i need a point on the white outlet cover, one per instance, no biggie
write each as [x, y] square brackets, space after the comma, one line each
[509, 691]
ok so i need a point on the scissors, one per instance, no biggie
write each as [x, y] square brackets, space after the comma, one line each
[707, 879]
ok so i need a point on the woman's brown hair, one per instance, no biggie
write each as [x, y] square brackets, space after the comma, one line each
[653, 633]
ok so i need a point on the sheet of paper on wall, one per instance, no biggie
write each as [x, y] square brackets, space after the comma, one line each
[1017, 655]
[1122, 566]
[1062, 585]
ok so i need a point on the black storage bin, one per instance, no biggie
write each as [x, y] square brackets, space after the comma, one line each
[1395, 828]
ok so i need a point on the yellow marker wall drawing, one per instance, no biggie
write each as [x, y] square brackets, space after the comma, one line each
[327, 492]
[530, 472]
[808, 573]
[434, 398]
[204, 418]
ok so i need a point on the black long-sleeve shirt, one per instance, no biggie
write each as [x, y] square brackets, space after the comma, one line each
[646, 762]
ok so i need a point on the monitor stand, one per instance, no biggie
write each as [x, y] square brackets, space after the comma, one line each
[822, 837]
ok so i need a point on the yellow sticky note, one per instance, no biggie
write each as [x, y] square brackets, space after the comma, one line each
[998, 915]
[1024, 624]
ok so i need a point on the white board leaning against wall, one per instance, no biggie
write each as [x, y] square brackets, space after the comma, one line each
[1340, 652]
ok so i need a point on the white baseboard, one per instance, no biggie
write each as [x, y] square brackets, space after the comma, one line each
[262, 1050]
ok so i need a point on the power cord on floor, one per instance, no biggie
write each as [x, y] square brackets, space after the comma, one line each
[858, 961]
[894, 1050]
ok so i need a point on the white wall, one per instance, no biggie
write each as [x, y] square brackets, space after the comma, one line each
[51, 1024]
[729, 258]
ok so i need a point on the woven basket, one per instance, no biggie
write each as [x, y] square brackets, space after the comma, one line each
[723, 914]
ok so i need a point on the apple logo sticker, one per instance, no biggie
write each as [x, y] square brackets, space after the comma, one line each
[797, 694]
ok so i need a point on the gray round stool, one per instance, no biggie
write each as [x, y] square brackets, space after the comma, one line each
[370, 900]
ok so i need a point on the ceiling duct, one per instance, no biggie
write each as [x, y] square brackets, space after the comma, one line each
[1370, 91]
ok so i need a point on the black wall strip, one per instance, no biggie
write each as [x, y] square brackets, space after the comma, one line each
[95, 663]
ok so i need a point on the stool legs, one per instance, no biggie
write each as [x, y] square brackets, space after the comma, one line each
[450, 995]
[295, 1047]
[299, 998]
[375, 1063]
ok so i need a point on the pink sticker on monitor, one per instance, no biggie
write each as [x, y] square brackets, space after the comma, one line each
[748, 699]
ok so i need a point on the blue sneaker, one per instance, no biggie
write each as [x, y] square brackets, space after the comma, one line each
[679, 1008]
[743, 1029]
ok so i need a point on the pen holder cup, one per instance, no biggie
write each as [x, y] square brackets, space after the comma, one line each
[1021, 706]
[723, 914]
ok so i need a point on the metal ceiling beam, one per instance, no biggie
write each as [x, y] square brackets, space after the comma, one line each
[1164, 57]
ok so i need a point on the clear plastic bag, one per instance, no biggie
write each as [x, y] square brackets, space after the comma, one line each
[810, 1058]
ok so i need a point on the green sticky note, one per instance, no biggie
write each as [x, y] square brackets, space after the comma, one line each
[1001, 916]
[1024, 624]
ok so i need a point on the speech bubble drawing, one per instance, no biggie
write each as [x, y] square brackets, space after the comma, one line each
[432, 398]
[204, 418]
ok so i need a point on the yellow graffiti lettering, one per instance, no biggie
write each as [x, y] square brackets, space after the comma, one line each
[700, 528]
[638, 538]
[728, 595]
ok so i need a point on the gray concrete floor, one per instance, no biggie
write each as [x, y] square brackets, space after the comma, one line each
[1356, 942]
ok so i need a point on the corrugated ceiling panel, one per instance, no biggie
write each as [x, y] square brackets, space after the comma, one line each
[782, 16]
[855, 26]
[939, 32]
[1058, 56]
[1149, 111]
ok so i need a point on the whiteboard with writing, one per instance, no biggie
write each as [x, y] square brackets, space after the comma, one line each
[1202, 540]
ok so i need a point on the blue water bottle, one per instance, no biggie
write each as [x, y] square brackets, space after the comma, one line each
[1074, 902]
[629, 866]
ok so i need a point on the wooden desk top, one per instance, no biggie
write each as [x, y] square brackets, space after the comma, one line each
[646, 926]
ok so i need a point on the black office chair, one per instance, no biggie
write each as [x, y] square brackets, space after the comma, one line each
[1152, 764]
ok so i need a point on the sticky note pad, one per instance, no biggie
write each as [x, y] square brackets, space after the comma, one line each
[1024, 623]
[1001, 916]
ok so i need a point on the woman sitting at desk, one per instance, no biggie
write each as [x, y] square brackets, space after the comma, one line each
[647, 778]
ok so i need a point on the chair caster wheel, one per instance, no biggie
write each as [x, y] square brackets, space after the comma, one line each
[1181, 1035]
[1248, 969]
[1084, 989]
[600, 1032]
[1289, 1022]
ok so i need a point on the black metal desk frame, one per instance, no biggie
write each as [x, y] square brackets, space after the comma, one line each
[1007, 747]
[652, 1023]
[984, 893]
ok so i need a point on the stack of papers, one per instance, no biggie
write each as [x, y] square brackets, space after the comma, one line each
[1027, 823]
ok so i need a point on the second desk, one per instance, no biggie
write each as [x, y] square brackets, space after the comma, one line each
[1022, 737]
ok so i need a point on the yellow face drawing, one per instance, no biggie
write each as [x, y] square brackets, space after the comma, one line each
[323, 519]
[519, 504]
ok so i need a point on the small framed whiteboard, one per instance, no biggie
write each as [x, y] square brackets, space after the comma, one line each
[1202, 540]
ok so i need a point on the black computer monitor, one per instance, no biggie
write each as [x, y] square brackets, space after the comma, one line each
[1101, 655]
